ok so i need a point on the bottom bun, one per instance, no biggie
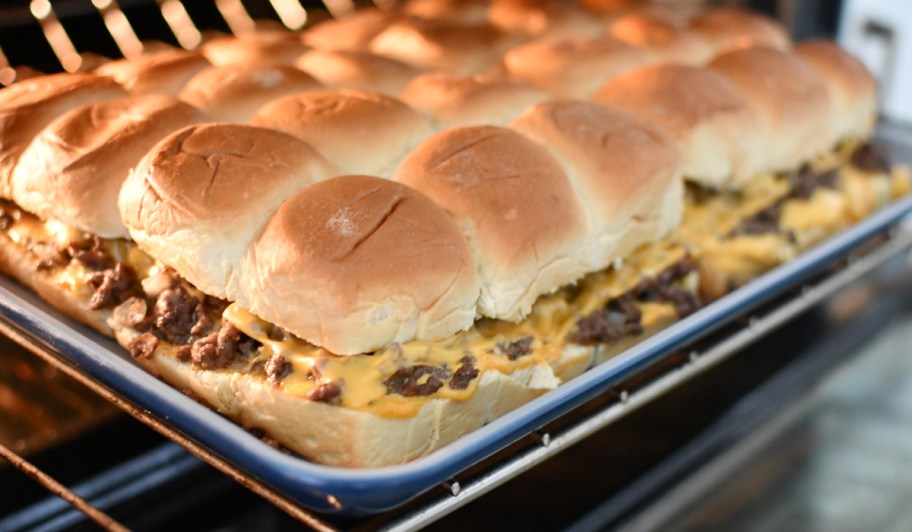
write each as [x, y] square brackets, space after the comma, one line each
[339, 436]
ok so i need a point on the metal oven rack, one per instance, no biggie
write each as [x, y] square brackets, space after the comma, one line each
[523, 455]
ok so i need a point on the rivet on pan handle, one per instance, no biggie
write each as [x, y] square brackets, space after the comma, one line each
[56, 35]
[290, 12]
[236, 16]
[119, 27]
[102, 519]
[180, 23]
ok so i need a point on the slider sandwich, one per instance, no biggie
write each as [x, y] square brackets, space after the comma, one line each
[771, 147]
[370, 321]
[61, 231]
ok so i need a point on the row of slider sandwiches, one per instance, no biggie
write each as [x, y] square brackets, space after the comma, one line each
[371, 238]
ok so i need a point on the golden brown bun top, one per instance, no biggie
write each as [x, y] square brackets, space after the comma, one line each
[357, 70]
[729, 28]
[533, 18]
[352, 32]
[616, 154]
[207, 171]
[676, 97]
[358, 131]
[163, 72]
[612, 7]
[354, 263]
[512, 187]
[435, 45]
[516, 204]
[234, 93]
[790, 98]
[572, 66]
[72, 171]
[257, 49]
[852, 87]
[452, 11]
[453, 100]
[663, 37]
[27, 106]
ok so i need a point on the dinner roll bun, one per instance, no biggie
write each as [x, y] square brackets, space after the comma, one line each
[663, 37]
[254, 49]
[731, 28]
[161, 72]
[198, 199]
[358, 131]
[353, 32]
[357, 70]
[233, 93]
[516, 206]
[73, 170]
[355, 263]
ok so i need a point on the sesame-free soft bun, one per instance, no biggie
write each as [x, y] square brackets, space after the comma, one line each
[853, 90]
[27, 106]
[73, 170]
[625, 170]
[452, 11]
[358, 131]
[433, 45]
[453, 100]
[515, 204]
[357, 70]
[715, 125]
[352, 32]
[791, 100]
[663, 37]
[731, 28]
[200, 196]
[257, 49]
[572, 66]
[161, 72]
[355, 263]
[534, 18]
[233, 93]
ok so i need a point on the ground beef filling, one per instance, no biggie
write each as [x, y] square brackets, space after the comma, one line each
[871, 158]
[515, 349]
[804, 182]
[621, 317]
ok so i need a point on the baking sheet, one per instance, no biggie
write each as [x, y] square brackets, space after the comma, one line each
[346, 491]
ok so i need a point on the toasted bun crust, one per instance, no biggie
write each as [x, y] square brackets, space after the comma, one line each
[357, 70]
[355, 263]
[452, 100]
[434, 45]
[665, 39]
[534, 18]
[730, 28]
[516, 206]
[200, 197]
[74, 168]
[790, 99]
[853, 90]
[348, 438]
[163, 72]
[450, 11]
[256, 49]
[234, 93]
[626, 171]
[359, 132]
[715, 125]
[352, 32]
[27, 106]
[572, 66]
